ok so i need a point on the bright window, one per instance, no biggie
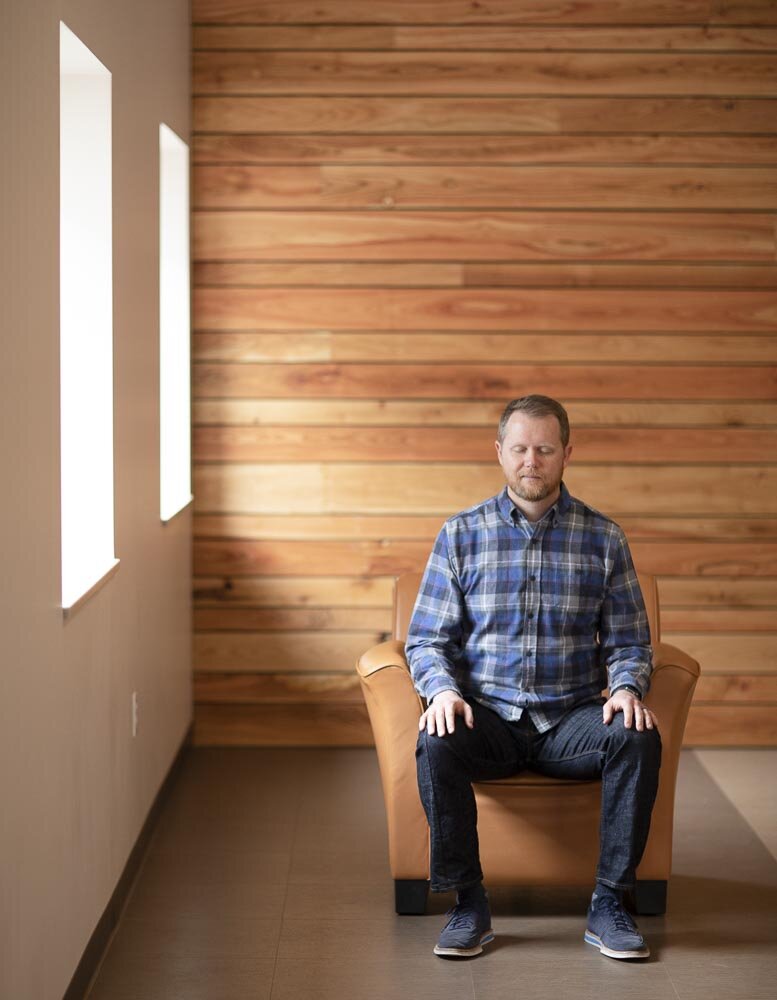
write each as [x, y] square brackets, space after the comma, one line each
[86, 319]
[174, 391]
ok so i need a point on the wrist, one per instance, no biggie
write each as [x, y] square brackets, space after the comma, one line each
[630, 688]
[436, 687]
[444, 691]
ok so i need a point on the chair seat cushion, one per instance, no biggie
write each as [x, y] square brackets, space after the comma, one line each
[530, 779]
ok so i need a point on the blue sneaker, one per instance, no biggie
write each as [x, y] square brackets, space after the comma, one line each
[468, 928]
[611, 929]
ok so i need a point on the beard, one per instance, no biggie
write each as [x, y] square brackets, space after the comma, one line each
[533, 489]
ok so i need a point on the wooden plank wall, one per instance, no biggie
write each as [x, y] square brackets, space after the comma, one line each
[409, 211]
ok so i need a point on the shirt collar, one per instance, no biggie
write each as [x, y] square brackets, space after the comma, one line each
[512, 514]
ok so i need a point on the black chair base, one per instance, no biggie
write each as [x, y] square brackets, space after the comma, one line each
[649, 897]
[410, 896]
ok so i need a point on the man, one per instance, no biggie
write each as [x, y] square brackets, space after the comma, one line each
[528, 608]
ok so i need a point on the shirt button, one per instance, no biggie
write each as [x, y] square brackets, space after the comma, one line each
[530, 614]
[532, 578]
[533, 541]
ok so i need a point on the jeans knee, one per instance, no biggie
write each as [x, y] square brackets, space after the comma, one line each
[422, 744]
[645, 743]
[441, 750]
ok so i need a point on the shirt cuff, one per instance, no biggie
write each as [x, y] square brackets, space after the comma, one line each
[438, 684]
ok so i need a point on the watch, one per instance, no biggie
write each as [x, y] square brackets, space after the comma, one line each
[630, 688]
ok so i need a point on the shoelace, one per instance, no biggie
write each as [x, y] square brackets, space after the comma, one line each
[621, 919]
[460, 915]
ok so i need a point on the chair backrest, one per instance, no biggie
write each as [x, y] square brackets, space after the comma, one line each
[406, 589]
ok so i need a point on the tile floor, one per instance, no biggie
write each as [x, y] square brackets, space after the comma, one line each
[267, 879]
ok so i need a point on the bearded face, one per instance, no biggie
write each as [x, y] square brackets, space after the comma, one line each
[533, 458]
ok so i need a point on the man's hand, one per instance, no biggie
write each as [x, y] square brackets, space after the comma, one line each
[633, 711]
[440, 716]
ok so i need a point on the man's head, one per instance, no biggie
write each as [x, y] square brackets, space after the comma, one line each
[535, 406]
[533, 449]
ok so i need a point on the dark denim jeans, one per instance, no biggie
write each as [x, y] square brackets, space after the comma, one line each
[579, 746]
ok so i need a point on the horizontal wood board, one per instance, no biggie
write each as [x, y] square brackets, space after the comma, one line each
[495, 12]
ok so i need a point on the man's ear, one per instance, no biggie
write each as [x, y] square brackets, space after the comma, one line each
[498, 449]
[567, 455]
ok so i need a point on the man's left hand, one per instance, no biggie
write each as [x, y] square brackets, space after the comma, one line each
[633, 711]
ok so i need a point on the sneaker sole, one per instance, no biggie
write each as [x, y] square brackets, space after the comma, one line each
[465, 952]
[590, 938]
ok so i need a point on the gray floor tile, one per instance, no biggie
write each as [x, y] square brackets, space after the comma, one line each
[335, 866]
[342, 784]
[168, 868]
[514, 969]
[193, 832]
[202, 935]
[236, 799]
[352, 975]
[349, 902]
[391, 938]
[344, 832]
[725, 974]
[352, 830]
[341, 809]
[246, 900]
[207, 816]
[163, 977]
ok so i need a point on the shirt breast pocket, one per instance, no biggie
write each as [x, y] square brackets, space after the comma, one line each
[582, 593]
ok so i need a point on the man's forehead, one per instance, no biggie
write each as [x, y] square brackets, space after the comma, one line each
[526, 426]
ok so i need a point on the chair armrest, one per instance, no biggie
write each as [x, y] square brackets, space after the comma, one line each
[395, 707]
[387, 654]
[665, 655]
[671, 689]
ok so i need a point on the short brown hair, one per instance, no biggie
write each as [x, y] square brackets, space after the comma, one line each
[535, 406]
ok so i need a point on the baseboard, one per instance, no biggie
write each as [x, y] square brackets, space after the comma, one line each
[101, 936]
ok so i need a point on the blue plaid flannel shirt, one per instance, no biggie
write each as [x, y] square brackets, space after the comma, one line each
[539, 616]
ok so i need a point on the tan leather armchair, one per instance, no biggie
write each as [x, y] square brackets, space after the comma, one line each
[533, 830]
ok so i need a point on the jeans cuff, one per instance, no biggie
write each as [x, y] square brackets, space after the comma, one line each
[614, 885]
[454, 886]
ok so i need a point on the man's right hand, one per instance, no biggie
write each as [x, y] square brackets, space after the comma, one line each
[440, 717]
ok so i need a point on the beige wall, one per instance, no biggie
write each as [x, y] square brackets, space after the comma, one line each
[76, 787]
